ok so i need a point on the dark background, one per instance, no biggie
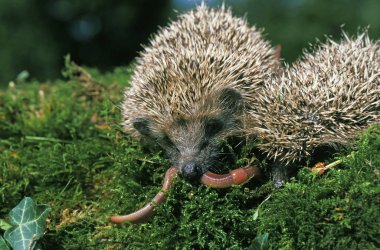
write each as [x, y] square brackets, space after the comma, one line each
[36, 34]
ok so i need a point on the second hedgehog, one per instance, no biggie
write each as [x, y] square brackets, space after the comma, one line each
[194, 84]
[326, 98]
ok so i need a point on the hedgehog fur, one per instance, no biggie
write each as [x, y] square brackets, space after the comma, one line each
[195, 82]
[325, 98]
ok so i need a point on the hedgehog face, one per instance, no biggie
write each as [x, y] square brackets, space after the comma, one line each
[192, 142]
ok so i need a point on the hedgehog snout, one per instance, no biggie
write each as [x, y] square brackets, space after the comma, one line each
[191, 171]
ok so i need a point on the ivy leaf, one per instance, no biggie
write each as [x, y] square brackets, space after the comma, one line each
[28, 224]
[261, 242]
[3, 245]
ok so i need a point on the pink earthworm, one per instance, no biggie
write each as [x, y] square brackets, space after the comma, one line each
[148, 210]
[234, 177]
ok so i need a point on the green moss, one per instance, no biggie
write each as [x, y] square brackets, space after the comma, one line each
[61, 143]
[337, 210]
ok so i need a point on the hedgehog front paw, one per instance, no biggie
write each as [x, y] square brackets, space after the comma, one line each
[279, 175]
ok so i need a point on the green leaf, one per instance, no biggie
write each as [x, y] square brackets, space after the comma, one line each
[256, 214]
[28, 220]
[261, 242]
[3, 244]
[22, 76]
[4, 225]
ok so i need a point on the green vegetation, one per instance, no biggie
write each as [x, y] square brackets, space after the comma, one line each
[62, 144]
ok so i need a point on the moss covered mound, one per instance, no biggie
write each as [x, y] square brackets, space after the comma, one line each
[61, 144]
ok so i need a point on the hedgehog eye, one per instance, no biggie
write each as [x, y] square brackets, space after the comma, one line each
[204, 144]
[213, 126]
[164, 141]
[230, 99]
[142, 125]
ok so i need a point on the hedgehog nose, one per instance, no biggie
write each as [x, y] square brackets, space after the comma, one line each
[191, 171]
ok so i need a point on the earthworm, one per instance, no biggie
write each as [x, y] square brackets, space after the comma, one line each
[234, 177]
[147, 211]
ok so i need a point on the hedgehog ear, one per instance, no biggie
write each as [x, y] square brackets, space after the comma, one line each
[142, 125]
[230, 99]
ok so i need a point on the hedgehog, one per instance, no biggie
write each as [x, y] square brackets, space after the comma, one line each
[326, 98]
[193, 85]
